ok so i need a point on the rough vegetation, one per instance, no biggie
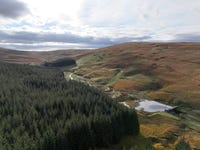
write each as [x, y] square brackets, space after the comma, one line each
[165, 72]
[158, 68]
[182, 145]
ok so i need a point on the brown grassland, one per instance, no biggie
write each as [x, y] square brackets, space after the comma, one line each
[175, 65]
[166, 72]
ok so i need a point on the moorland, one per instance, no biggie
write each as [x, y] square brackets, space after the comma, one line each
[165, 72]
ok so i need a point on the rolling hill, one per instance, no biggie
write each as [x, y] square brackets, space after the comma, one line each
[165, 72]
[33, 57]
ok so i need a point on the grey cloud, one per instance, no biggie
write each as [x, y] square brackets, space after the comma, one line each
[12, 9]
[31, 37]
[192, 37]
[91, 42]
[38, 47]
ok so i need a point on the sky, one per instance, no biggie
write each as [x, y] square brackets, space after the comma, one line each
[80, 24]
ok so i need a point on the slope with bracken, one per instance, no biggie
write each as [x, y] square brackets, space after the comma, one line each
[160, 69]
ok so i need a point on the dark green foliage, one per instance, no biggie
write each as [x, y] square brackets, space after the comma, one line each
[40, 110]
[182, 145]
[61, 62]
[132, 72]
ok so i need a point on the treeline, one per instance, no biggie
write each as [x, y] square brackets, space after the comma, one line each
[61, 62]
[40, 110]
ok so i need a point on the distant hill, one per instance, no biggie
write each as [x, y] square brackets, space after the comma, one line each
[30, 57]
[21, 57]
[158, 68]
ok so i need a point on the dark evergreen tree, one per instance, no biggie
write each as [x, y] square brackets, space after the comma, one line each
[40, 110]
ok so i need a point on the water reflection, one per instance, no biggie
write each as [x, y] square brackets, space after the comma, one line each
[152, 106]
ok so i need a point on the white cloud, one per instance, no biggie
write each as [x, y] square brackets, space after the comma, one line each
[143, 20]
[53, 10]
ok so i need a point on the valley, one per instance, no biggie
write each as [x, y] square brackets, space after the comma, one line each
[161, 127]
[133, 71]
[164, 72]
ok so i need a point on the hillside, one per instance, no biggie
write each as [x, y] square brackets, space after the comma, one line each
[160, 69]
[165, 72]
[33, 57]
[21, 57]
[129, 72]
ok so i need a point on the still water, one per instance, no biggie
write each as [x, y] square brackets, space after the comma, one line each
[152, 106]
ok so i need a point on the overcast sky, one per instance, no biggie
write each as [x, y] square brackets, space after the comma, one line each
[58, 24]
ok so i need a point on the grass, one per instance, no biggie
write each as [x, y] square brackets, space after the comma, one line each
[142, 78]
[126, 85]
[193, 138]
[190, 123]
[158, 130]
[101, 80]
[137, 66]
[146, 63]
[115, 78]
[165, 114]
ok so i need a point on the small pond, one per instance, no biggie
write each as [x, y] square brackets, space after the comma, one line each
[152, 106]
